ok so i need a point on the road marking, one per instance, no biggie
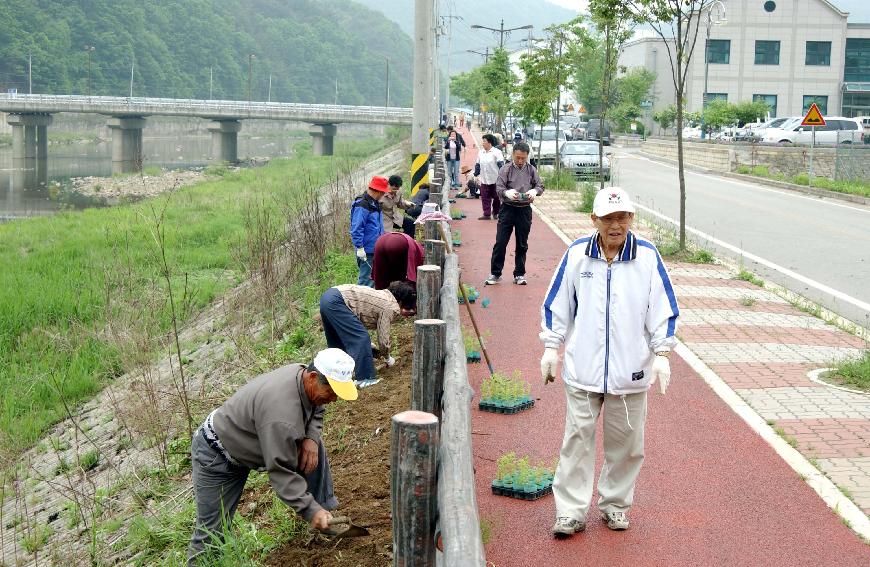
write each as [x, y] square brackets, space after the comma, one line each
[767, 263]
[822, 485]
[751, 186]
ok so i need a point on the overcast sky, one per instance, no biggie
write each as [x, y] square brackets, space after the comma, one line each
[859, 10]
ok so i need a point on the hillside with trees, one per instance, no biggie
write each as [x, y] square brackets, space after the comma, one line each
[184, 48]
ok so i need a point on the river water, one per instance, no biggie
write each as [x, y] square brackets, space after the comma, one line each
[22, 194]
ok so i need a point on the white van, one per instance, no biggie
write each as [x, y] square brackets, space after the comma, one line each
[837, 130]
[865, 121]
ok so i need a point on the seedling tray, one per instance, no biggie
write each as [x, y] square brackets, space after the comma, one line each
[505, 407]
[529, 492]
[472, 356]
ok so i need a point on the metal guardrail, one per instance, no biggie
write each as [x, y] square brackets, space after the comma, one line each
[213, 109]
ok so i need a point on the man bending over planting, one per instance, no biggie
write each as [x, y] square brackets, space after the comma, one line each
[273, 424]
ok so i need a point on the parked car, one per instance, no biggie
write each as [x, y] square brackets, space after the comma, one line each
[837, 130]
[760, 131]
[548, 144]
[594, 131]
[865, 121]
[691, 132]
[581, 160]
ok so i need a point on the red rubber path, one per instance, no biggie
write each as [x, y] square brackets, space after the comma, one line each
[711, 491]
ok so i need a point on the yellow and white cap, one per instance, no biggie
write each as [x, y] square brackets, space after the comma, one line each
[337, 366]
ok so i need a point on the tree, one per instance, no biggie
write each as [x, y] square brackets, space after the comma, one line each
[750, 111]
[499, 82]
[719, 113]
[666, 117]
[677, 23]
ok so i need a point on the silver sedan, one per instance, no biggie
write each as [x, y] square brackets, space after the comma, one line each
[581, 159]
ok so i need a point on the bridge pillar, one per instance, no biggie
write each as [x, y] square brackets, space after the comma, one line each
[225, 140]
[322, 135]
[30, 147]
[126, 143]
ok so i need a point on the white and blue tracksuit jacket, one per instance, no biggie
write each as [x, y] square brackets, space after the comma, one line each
[612, 319]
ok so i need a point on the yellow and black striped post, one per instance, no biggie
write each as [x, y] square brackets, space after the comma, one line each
[431, 137]
[419, 171]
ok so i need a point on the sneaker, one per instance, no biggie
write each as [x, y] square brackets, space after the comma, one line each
[366, 383]
[484, 217]
[566, 527]
[492, 280]
[615, 520]
[520, 280]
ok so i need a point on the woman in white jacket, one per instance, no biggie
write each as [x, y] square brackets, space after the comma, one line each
[611, 302]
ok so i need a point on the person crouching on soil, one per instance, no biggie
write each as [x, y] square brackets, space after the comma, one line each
[347, 311]
[606, 371]
[397, 257]
[366, 225]
[272, 423]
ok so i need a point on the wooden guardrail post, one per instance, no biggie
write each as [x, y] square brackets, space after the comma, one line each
[427, 368]
[435, 253]
[435, 197]
[414, 443]
[431, 231]
[428, 292]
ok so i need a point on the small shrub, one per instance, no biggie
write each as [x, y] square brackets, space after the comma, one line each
[561, 181]
[587, 192]
[152, 170]
[36, 539]
[801, 179]
[744, 169]
[761, 171]
[853, 373]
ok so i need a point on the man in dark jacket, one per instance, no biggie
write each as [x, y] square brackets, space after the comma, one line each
[366, 226]
[273, 423]
[517, 186]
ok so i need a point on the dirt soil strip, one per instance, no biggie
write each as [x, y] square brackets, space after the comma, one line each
[357, 438]
[711, 491]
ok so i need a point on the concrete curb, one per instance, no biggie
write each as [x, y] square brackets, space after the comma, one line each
[764, 181]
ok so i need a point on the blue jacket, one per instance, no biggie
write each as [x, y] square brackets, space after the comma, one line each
[365, 223]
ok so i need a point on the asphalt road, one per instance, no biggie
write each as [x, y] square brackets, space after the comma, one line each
[824, 243]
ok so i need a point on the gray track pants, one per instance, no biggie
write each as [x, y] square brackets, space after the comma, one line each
[218, 486]
[624, 421]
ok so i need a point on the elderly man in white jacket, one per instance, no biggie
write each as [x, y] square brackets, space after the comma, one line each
[612, 304]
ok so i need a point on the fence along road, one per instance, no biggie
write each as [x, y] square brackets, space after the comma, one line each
[816, 247]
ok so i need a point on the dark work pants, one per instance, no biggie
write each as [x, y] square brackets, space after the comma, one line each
[408, 226]
[218, 486]
[519, 221]
[344, 330]
[489, 199]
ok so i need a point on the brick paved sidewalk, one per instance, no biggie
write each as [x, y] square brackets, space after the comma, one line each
[764, 348]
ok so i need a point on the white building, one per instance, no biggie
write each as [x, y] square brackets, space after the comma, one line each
[788, 53]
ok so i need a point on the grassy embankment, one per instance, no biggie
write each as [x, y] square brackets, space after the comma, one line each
[72, 283]
[858, 187]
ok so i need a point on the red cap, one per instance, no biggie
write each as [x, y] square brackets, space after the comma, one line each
[379, 184]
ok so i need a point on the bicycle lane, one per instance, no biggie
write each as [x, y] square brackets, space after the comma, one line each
[711, 491]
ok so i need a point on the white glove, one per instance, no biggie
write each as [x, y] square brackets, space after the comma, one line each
[361, 253]
[511, 194]
[390, 361]
[548, 363]
[661, 371]
[531, 194]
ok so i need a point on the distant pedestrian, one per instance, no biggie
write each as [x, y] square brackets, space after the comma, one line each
[348, 311]
[458, 136]
[453, 155]
[489, 161]
[393, 205]
[612, 302]
[397, 257]
[272, 423]
[442, 132]
[517, 185]
[366, 225]
[462, 120]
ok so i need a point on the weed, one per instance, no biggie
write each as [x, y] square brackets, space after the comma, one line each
[854, 373]
[36, 539]
[485, 530]
[786, 437]
[747, 300]
[750, 277]
[587, 194]
[89, 460]
[152, 170]
[62, 467]
[561, 181]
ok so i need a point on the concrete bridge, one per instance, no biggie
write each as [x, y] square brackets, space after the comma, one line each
[31, 115]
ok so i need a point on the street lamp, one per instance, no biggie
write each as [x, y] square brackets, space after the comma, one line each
[387, 97]
[88, 49]
[720, 20]
[501, 31]
[251, 58]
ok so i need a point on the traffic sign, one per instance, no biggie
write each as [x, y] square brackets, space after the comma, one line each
[814, 117]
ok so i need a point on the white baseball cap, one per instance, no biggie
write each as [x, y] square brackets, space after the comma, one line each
[611, 200]
[337, 366]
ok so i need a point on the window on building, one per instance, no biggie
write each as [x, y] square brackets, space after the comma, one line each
[821, 102]
[856, 104]
[857, 67]
[770, 99]
[719, 51]
[818, 53]
[766, 52]
[715, 96]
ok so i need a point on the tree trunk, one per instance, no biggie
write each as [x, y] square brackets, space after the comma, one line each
[540, 139]
[681, 85]
[604, 102]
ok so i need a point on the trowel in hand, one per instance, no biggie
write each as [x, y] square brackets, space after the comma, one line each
[344, 528]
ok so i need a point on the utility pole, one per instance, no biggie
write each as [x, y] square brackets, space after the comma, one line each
[88, 50]
[210, 82]
[269, 97]
[436, 71]
[450, 17]
[251, 58]
[29, 72]
[423, 45]
[132, 68]
[387, 96]
[485, 55]
[336, 90]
